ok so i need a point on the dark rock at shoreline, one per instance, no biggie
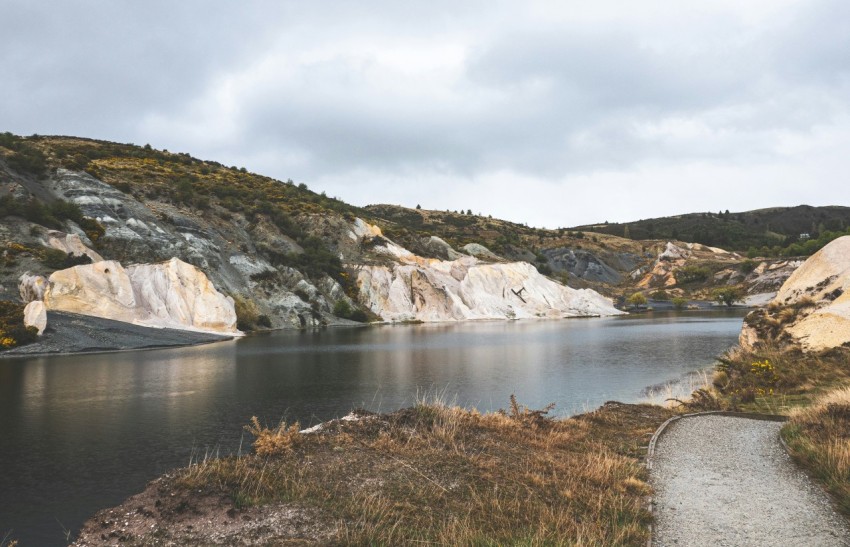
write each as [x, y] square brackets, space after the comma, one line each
[73, 333]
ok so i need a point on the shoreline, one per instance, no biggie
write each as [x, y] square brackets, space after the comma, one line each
[75, 334]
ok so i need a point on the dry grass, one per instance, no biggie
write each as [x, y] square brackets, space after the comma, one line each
[442, 475]
[818, 437]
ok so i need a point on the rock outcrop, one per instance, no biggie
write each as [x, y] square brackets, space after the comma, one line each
[35, 315]
[170, 294]
[812, 309]
[675, 257]
[31, 287]
[71, 244]
[413, 288]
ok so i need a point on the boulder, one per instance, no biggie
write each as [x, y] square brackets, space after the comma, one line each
[438, 248]
[479, 251]
[35, 315]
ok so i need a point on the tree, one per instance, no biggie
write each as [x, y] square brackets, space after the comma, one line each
[626, 232]
[727, 295]
[679, 303]
[418, 206]
[637, 300]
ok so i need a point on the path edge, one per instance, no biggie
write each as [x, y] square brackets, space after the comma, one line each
[650, 449]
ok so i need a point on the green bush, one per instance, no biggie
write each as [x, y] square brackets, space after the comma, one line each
[59, 260]
[12, 330]
[660, 295]
[679, 303]
[692, 274]
[343, 309]
[727, 295]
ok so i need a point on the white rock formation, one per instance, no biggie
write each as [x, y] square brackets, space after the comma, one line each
[71, 243]
[820, 292]
[825, 278]
[419, 289]
[35, 315]
[170, 294]
[32, 287]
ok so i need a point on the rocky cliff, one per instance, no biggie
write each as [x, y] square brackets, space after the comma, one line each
[812, 308]
[170, 294]
[414, 288]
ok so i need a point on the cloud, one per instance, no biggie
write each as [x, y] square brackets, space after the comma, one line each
[549, 113]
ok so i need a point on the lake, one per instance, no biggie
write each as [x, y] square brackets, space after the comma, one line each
[83, 432]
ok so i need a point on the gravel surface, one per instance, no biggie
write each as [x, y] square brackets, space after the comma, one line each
[73, 333]
[722, 480]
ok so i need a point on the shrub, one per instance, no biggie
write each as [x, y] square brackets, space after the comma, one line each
[692, 274]
[342, 309]
[264, 321]
[13, 333]
[59, 260]
[747, 266]
[637, 300]
[274, 442]
[727, 295]
[679, 303]
[247, 315]
[93, 229]
[660, 295]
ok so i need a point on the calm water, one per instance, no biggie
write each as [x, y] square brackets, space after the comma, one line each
[80, 433]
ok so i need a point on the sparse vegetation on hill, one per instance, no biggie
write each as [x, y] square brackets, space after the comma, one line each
[780, 231]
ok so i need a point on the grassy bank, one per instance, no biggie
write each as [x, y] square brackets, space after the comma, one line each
[431, 474]
[818, 437]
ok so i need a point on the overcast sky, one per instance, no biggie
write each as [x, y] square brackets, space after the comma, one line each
[551, 113]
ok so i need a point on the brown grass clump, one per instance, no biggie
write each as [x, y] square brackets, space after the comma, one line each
[818, 437]
[439, 474]
[271, 442]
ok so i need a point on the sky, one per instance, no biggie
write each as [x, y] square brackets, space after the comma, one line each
[552, 114]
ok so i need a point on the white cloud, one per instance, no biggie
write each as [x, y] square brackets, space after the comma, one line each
[546, 112]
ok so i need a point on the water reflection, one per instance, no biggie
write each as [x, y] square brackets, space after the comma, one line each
[83, 432]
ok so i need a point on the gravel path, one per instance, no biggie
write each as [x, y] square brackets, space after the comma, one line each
[722, 480]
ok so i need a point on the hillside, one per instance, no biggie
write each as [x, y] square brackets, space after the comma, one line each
[764, 232]
[291, 257]
[287, 256]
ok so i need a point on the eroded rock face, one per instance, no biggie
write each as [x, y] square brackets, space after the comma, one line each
[420, 289]
[812, 309]
[170, 294]
[35, 315]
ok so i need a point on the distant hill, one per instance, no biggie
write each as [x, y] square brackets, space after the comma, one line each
[759, 230]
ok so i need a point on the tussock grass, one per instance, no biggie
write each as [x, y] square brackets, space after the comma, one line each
[818, 437]
[440, 474]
